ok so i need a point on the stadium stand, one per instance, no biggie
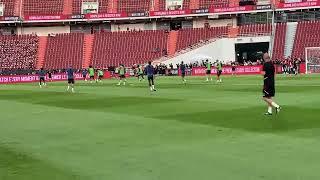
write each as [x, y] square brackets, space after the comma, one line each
[188, 37]
[18, 52]
[255, 29]
[206, 4]
[128, 48]
[279, 41]
[43, 7]
[9, 7]
[64, 50]
[307, 35]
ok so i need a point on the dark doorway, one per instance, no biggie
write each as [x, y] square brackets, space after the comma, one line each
[250, 51]
[175, 25]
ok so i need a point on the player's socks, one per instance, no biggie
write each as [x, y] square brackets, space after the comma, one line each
[68, 88]
[278, 109]
[72, 90]
[275, 105]
[151, 89]
[270, 109]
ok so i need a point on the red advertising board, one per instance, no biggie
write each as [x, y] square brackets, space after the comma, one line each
[211, 10]
[232, 9]
[227, 70]
[168, 13]
[309, 3]
[35, 78]
[45, 17]
[106, 15]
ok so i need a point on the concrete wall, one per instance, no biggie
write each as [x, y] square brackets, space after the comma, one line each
[44, 31]
[222, 49]
[199, 23]
[123, 27]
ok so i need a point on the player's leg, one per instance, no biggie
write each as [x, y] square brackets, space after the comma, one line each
[72, 85]
[40, 82]
[124, 80]
[69, 84]
[152, 83]
[120, 80]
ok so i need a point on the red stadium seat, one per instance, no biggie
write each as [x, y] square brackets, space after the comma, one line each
[44, 7]
[18, 52]
[307, 35]
[128, 48]
[64, 50]
[187, 37]
[9, 7]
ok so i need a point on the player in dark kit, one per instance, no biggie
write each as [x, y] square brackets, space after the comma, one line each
[70, 79]
[150, 73]
[42, 75]
[183, 72]
[84, 74]
[50, 75]
[269, 84]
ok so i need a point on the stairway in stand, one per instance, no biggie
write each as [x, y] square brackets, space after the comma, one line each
[172, 42]
[43, 40]
[112, 6]
[67, 7]
[87, 50]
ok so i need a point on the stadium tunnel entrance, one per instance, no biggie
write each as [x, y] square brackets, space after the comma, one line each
[250, 51]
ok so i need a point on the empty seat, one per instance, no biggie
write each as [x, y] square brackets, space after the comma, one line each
[128, 48]
[43, 7]
[64, 50]
[18, 52]
[9, 7]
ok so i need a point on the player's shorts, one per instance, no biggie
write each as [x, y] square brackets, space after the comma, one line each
[122, 76]
[219, 72]
[50, 76]
[84, 76]
[70, 81]
[268, 90]
[208, 72]
[150, 77]
[183, 74]
[100, 77]
[233, 69]
[42, 79]
[91, 77]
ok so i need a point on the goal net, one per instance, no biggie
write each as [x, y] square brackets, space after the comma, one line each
[312, 59]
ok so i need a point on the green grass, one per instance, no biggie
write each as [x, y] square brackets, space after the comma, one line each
[201, 131]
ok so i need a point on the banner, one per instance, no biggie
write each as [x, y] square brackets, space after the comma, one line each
[89, 7]
[227, 70]
[168, 13]
[105, 15]
[299, 4]
[35, 78]
[232, 9]
[1, 9]
[174, 4]
[9, 18]
[45, 17]
[263, 7]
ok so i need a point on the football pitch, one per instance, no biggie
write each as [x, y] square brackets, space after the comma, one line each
[201, 131]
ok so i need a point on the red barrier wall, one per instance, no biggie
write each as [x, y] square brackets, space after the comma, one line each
[227, 70]
[35, 78]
